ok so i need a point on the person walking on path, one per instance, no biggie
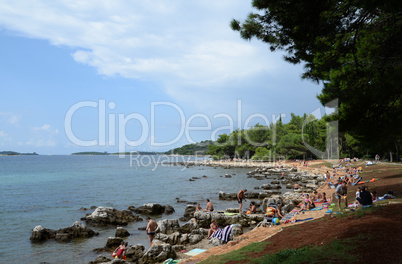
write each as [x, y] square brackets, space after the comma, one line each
[240, 197]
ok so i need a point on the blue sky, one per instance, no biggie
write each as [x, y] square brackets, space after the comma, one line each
[176, 61]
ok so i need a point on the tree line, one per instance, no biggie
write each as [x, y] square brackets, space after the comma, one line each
[303, 137]
[352, 48]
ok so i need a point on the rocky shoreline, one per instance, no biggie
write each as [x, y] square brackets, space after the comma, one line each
[171, 237]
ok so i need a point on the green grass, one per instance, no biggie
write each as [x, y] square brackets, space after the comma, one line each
[368, 210]
[326, 164]
[335, 252]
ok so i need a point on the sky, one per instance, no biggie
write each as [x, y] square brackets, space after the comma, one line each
[119, 75]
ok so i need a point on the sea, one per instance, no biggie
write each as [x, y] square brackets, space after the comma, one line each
[50, 191]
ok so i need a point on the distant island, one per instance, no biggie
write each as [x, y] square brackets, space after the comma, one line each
[192, 149]
[13, 153]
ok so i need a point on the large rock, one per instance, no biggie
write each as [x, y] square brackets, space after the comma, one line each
[189, 226]
[194, 239]
[158, 252]
[232, 210]
[169, 209]
[171, 239]
[77, 230]
[250, 195]
[113, 242]
[168, 226]
[237, 230]
[39, 233]
[227, 196]
[268, 193]
[100, 260]
[104, 216]
[136, 251]
[188, 213]
[150, 209]
[204, 219]
[121, 232]
[178, 238]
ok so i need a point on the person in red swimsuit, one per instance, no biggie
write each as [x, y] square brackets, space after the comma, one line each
[121, 250]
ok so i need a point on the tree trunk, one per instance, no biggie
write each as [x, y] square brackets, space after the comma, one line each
[390, 156]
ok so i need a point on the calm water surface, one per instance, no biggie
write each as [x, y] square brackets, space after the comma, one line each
[50, 190]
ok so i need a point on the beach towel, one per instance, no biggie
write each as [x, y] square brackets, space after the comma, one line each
[223, 234]
[171, 261]
[357, 181]
[307, 219]
[230, 213]
[288, 216]
[316, 209]
[194, 252]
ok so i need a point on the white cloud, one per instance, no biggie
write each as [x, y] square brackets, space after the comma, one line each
[40, 143]
[46, 127]
[186, 47]
[4, 138]
[188, 44]
[11, 117]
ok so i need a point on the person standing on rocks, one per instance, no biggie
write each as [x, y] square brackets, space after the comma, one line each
[151, 228]
[240, 197]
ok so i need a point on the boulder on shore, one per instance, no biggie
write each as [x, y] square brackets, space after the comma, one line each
[205, 219]
[189, 226]
[188, 213]
[121, 232]
[150, 209]
[136, 251]
[104, 216]
[158, 252]
[168, 226]
[77, 230]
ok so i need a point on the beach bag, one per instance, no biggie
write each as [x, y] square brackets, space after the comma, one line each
[270, 211]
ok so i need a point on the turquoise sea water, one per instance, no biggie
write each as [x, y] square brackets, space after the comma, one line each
[50, 190]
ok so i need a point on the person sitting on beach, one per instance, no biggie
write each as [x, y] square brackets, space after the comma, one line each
[315, 196]
[374, 196]
[323, 198]
[309, 204]
[151, 228]
[240, 197]
[120, 251]
[351, 179]
[209, 207]
[213, 228]
[279, 210]
[198, 208]
[252, 209]
[306, 205]
[340, 192]
[365, 197]
[296, 186]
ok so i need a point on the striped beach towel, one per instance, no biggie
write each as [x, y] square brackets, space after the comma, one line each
[223, 234]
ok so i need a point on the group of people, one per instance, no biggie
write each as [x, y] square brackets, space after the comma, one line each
[210, 208]
[309, 200]
[363, 196]
[120, 251]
